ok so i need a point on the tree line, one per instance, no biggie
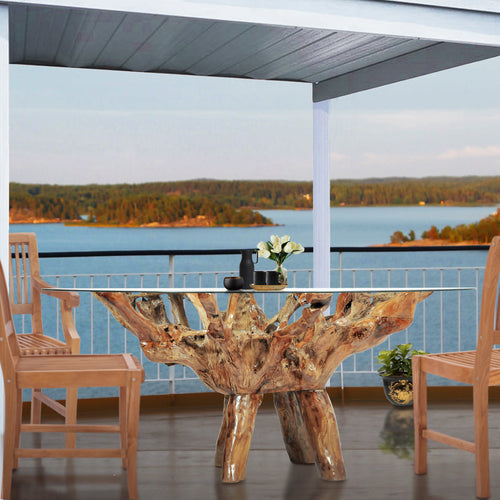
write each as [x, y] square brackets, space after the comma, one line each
[233, 202]
[478, 232]
[123, 205]
[147, 209]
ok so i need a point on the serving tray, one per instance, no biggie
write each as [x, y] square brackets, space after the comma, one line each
[269, 287]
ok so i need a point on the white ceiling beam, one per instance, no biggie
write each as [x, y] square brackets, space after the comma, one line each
[4, 145]
[460, 21]
[420, 62]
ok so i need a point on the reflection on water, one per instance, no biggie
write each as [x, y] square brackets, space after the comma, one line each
[397, 436]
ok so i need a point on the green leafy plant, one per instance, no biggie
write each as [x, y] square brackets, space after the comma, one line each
[397, 361]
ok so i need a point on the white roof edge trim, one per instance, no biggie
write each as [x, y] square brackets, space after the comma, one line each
[477, 5]
[421, 62]
[391, 18]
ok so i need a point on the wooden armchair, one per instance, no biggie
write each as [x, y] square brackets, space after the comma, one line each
[480, 368]
[71, 371]
[26, 288]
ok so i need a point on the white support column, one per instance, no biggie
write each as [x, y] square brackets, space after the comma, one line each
[321, 196]
[4, 136]
[4, 177]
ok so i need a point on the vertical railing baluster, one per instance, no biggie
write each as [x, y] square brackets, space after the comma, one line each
[423, 312]
[124, 329]
[92, 313]
[171, 382]
[406, 285]
[171, 270]
[108, 314]
[58, 329]
[459, 310]
[74, 309]
[340, 269]
[441, 312]
[477, 302]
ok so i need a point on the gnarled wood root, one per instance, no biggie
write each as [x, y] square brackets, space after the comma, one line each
[243, 354]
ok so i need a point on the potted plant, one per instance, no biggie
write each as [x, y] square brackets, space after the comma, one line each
[396, 372]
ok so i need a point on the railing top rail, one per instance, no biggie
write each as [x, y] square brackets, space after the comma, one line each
[228, 272]
[235, 251]
[287, 290]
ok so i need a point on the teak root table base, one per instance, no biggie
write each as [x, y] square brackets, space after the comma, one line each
[243, 354]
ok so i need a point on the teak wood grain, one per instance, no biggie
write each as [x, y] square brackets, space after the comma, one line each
[26, 287]
[70, 371]
[243, 354]
[480, 368]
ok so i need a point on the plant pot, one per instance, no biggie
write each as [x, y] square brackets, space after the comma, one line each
[399, 390]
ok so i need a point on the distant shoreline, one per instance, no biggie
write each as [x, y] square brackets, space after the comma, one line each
[176, 224]
[427, 242]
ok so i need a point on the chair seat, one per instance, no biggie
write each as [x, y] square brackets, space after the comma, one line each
[462, 363]
[33, 344]
[79, 370]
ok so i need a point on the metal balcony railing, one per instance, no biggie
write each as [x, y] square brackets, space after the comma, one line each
[443, 322]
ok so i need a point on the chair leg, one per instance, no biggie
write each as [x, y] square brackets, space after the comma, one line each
[12, 425]
[420, 415]
[17, 433]
[123, 410]
[481, 441]
[71, 412]
[133, 407]
[36, 407]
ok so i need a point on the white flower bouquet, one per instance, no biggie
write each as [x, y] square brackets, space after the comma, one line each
[279, 249]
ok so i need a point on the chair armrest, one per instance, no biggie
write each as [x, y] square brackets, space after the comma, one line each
[69, 329]
[71, 298]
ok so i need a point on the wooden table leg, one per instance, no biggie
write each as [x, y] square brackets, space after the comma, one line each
[319, 418]
[239, 419]
[293, 428]
[221, 441]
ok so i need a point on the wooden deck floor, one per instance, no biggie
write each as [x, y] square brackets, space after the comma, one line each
[176, 450]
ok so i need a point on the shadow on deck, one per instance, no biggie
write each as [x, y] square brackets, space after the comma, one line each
[176, 455]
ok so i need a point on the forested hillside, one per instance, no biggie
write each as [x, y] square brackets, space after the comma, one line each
[477, 232]
[217, 202]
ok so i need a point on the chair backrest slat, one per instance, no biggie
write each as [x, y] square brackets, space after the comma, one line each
[23, 266]
[9, 347]
[24, 259]
[489, 331]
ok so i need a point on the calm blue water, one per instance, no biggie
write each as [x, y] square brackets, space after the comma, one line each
[361, 226]
[351, 226]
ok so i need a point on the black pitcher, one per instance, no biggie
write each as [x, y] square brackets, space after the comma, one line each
[246, 267]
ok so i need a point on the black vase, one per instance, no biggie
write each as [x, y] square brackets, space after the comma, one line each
[246, 267]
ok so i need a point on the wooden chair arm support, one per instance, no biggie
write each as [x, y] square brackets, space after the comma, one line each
[69, 329]
[71, 298]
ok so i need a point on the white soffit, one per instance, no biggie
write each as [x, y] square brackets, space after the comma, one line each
[341, 46]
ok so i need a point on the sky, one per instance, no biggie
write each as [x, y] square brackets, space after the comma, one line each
[71, 126]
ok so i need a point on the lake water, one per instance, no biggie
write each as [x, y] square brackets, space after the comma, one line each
[359, 227]
[351, 226]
